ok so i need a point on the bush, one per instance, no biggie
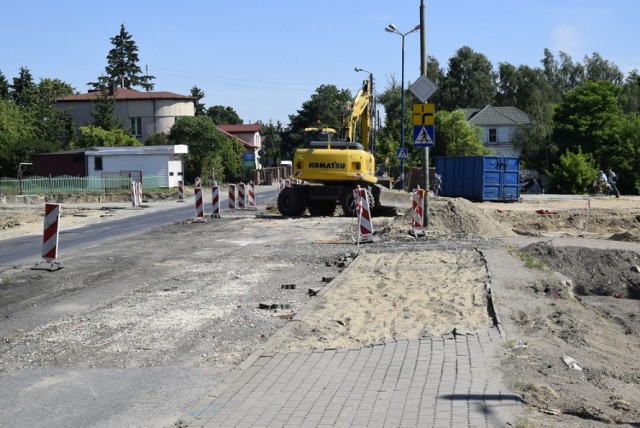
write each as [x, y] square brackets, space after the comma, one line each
[573, 173]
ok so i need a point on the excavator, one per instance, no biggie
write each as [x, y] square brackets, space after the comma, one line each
[331, 164]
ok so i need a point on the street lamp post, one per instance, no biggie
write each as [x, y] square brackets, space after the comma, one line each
[392, 29]
[372, 110]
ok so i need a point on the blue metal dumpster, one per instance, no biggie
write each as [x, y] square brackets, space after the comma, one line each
[480, 178]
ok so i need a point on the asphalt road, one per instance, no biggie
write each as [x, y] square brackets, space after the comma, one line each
[27, 249]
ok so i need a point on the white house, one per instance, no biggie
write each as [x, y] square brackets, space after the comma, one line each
[499, 125]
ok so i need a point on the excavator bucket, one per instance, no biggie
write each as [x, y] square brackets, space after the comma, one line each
[392, 198]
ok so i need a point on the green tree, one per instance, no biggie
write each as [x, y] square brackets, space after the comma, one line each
[537, 147]
[574, 172]
[591, 117]
[598, 68]
[103, 111]
[122, 68]
[4, 87]
[391, 134]
[631, 92]
[470, 81]
[271, 139]
[94, 136]
[23, 88]
[222, 115]
[209, 149]
[19, 138]
[457, 137]
[54, 124]
[563, 75]
[522, 87]
[159, 139]
[437, 75]
[198, 94]
[325, 108]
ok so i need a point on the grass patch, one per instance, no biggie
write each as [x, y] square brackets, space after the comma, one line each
[531, 262]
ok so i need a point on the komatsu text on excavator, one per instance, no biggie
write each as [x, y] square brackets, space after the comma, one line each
[332, 164]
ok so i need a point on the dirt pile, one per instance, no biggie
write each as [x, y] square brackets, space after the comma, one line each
[594, 272]
[447, 216]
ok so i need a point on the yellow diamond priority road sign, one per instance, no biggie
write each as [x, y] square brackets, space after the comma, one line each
[424, 114]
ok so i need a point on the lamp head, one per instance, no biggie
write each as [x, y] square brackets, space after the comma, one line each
[357, 69]
[391, 28]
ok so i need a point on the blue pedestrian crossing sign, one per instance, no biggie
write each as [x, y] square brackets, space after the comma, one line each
[402, 153]
[424, 136]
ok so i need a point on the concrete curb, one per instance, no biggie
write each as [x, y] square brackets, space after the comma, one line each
[493, 311]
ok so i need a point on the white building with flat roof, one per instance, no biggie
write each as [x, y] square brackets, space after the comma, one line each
[166, 162]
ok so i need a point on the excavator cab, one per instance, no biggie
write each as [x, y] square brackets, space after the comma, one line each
[319, 134]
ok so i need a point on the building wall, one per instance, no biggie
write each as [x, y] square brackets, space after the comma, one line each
[149, 164]
[252, 138]
[505, 144]
[71, 164]
[156, 115]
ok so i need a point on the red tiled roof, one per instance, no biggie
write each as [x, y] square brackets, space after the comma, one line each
[236, 129]
[127, 94]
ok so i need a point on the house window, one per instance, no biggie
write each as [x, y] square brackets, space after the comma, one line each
[97, 163]
[493, 135]
[136, 126]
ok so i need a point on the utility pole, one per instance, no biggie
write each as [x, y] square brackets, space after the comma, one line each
[425, 150]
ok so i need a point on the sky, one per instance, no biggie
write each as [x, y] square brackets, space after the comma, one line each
[265, 58]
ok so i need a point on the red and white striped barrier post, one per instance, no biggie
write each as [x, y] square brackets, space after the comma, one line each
[199, 204]
[180, 191]
[241, 196]
[365, 225]
[417, 206]
[251, 195]
[133, 188]
[215, 200]
[50, 239]
[232, 196]
[139, 194]
[50, 235]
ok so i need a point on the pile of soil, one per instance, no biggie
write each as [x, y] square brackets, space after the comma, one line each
[594, 272]
[447, 217]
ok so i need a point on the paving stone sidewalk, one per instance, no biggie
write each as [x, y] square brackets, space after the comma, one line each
[442, 381]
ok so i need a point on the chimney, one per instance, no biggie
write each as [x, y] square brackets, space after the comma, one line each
[113, 89]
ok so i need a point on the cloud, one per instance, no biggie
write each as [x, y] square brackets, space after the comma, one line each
[567, 39]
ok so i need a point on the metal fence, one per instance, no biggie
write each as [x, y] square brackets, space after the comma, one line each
[68, 184]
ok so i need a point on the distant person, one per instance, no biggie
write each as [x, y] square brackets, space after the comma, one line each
[612, 179]
[437, 182]
[602, 177]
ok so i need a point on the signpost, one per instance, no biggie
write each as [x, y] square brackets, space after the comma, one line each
[402, 153]
[424, 133]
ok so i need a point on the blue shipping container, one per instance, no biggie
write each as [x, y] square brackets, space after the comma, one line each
[480, 178]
